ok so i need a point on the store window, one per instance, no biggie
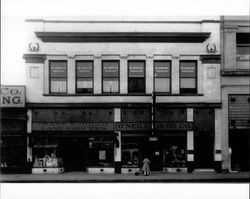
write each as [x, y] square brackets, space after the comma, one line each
[188, 77]
[243, 51]
[45, 152]
[58, 76]
[110, 72]
[101, 152]
[136, 76]
[162, 74]
[130, 155]
[84, 77]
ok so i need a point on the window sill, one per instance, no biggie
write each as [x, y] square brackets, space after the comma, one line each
[181, 94]
[96, 95]
[235, 73]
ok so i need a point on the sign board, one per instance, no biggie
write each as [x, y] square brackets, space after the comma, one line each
[136, 69]
[120, 126]
[188, 69]
[110, 69]
[72, 126]
[58, 69]
[174, 126]
[162, 69]
[84, 69]
[12, 96]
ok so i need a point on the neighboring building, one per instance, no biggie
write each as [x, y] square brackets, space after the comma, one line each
[102, 95]
[13, 129]
[235, 45]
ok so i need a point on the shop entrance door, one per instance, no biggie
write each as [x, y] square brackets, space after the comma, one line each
[153, 150]
[74, 152]
[204, 151]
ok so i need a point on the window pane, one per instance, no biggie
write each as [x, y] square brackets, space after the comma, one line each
[136, 85]
[136, 68]
[162, 68]
[110, 85]
[110, 69]
[58, 68]
[162, 84]
[187, 69]
[58, 85]
[243, 57]
[187, 82]
[84, 69]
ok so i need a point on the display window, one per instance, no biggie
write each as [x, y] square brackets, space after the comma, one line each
[101, 152]
[130, 155]
[45, 153]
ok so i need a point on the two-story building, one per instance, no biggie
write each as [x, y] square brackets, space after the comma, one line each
[103, 95]
[235, 44]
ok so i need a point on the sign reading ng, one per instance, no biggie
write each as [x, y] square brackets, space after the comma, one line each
[12, 96]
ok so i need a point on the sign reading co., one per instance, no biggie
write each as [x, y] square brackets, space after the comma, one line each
[12, 96]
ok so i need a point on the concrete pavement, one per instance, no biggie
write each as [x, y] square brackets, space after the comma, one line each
[83, 177]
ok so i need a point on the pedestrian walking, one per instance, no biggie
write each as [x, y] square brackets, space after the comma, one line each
[145, 167]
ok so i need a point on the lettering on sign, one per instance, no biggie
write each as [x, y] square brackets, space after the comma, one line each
[72, 126]
[174, 126]
[84, 69]
[12, 96]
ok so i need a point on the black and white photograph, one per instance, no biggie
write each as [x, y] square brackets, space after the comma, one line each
[111, 104]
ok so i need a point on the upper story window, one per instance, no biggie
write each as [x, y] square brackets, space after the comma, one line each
[58, 76]
[243, 51]
[136, 76]
[84, 77]
[110, 73]
[162, 74]
[188, 76]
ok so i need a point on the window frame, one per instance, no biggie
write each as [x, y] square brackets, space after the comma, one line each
[111, 60]
[84, 77]
[136, 60]
[56, 77]
[196, 76]
[170, 78]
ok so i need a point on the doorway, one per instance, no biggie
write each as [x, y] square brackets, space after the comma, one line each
[74, 153]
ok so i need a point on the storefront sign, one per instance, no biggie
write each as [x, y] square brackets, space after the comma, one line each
[174, 126]
[72, 126]
[84, 69]
[12, 96]
[148, 126]
[120, 126]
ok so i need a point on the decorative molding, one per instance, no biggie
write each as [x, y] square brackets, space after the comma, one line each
[97, 56]
[175, 56]
[230, 29]
[34, 47]
[210, 59]
[71, 56]
[149, 56]
[146, 37]
[34, 58]
[211, 48]
[124, 56]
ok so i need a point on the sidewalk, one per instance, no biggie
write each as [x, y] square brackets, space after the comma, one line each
[83, 177]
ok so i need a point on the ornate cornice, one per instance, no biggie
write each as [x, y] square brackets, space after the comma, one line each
[34, 58]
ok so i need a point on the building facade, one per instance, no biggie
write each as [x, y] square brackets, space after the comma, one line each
[103, 95]
[235, 90]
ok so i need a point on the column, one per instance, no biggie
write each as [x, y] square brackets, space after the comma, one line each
[190, 142]
[123, 74]
[199, 77]
[45, 77]
[229, 48]
[29, 130]
[71, 74]
[117, 147]
[149, 74]
[217, 144]
[175, 78]
[97, 74]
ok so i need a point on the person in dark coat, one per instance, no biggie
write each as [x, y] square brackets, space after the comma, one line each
[145, 167]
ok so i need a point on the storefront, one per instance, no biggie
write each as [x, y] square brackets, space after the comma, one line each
[68, 139]
[239, 136]
[13, 130]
